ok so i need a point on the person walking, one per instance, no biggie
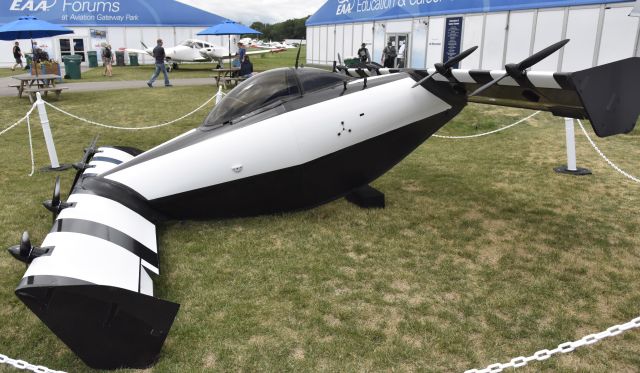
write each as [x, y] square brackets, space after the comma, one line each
[159, 55]
[363, 54]
[17, 55]
[389, 55]
[107, 60]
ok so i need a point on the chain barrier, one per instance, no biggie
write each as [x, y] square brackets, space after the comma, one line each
[541, 355]
[19, 121]
[490, 132]
[21, 364]
[630, 177]
[130, 128]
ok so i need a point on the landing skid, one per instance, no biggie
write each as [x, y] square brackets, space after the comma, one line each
[366, 197]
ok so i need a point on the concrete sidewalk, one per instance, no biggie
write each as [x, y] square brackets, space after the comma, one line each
[5, 90]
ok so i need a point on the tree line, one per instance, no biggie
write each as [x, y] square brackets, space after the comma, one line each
[289, 29]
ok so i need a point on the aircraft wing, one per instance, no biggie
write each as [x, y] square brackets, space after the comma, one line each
[606, 94]
[264, 51]
[92, 287]
[139, 51]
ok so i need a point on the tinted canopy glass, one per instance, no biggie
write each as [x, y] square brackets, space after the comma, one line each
[254, 93]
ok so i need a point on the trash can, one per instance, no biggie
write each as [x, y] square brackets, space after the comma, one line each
[93, 58]
[72, 66]
[119, 58]
[133, 59]
[29, 60]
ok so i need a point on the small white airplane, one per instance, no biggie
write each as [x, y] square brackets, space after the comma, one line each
[194, 50]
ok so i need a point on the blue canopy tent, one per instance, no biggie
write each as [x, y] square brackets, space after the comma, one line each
[31, 28]
[228, 28]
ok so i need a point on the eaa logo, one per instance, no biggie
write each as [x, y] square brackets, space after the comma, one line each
[32, 5]
[344, 7]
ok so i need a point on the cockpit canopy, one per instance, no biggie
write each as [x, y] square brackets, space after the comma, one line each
[270, 88]
[197, 44]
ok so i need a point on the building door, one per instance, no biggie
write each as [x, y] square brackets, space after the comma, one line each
[401, 43]
[73, 46]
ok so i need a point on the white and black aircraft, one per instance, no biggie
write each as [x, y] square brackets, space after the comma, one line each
[194, 50]
[283, 140]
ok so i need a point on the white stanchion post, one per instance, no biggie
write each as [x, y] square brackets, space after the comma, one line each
[48, 137]
[571, 167]
[571, 144]
[219, 95]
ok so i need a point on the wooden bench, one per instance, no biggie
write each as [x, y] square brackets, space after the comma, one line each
[231, 80]
[44, 90]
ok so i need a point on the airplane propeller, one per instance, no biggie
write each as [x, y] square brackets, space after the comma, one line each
[298, 55]
[516, 71]
[82, 165]
[444, 69]
[25, 252]
[54, 204]
[341, 65]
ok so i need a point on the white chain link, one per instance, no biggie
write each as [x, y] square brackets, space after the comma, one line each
[130, 128]
[562, 348]
[630, 177]
[21, 364]
[19, 121]
[490, 132]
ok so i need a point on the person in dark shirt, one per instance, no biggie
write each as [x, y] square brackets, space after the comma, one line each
[363, 54]
[17, 55]
[158, 54]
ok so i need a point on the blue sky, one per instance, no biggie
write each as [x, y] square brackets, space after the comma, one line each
[267, 11]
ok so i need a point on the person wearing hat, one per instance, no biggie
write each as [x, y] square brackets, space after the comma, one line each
[107, 60]
[389, 55]
[363, 54]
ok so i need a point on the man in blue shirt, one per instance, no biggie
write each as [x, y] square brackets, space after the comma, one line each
[158, 54]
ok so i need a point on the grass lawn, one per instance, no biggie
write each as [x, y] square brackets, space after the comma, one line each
[482, 254]
[185, 70]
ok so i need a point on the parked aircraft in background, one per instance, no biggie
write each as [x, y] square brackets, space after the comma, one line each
[194, 50]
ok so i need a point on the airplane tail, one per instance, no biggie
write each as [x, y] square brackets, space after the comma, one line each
[606, 95]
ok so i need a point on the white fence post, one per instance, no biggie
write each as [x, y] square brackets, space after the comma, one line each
[48, 137]
[219, 95]
[571, 167]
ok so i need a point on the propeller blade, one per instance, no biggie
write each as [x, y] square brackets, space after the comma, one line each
[541, 55]
[488, 85]
[447, 65]
[25, 245]
[424, 79]
[459, 57]
[298, 55]
[55, 199]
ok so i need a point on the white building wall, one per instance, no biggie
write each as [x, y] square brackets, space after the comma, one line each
[495, 32]
[582, 29]
[348, 41]
[435, 40]
[339, 41]
[599, 34]
[472, 35]
[519, 35]
[378, 42]
[331, 44]
[419, 44]
[616, 42]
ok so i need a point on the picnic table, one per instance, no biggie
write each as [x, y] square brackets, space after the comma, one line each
[225, 74]
[43, 83]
